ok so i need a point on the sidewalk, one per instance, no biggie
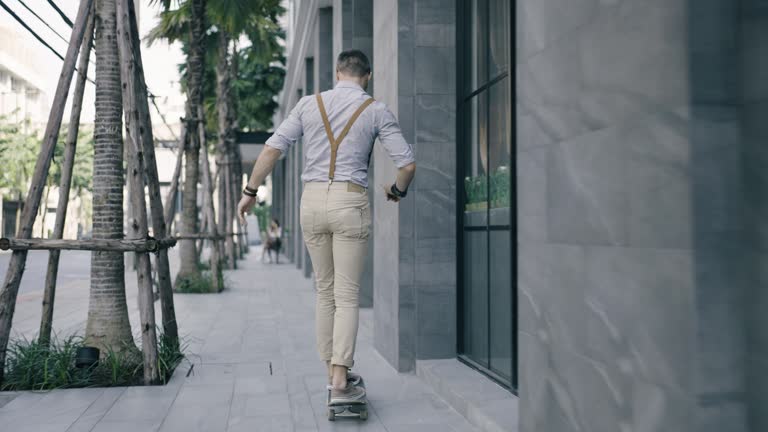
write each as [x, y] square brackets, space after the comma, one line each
[254, 368]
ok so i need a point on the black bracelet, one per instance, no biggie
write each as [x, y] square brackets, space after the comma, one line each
[249, 193]
[251, 190]
[397, 192]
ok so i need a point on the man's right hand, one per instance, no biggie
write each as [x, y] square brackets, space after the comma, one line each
[245, 205]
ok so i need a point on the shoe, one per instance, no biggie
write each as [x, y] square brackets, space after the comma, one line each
[350, 395]
[352, 379]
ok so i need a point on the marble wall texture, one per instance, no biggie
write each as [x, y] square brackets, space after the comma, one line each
[415, 244]
[353, 29]
[754, 122]
[642, 215]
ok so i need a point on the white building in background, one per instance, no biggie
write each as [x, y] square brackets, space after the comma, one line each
[22, 94]
[28, 72]
[22, 98]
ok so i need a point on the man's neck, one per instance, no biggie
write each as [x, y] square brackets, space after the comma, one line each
[356, 81]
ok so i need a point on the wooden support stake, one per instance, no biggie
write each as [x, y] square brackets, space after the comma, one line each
[12, 281]
[49, 293]
[170, 199]
[138, 228]
[229, 196]
[159, 227]
[144, 245]
[208, 206]
[198, 236]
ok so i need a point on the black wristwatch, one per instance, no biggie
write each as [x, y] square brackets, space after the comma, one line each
[397, 192]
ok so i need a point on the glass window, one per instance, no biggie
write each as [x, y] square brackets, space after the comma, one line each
[487, 245]
[477, 45]
[499, 148]
[499, 43]
[476, 296]
[476, 178]
[501, 288]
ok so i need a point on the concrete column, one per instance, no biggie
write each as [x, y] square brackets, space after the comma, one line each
[324, 59]
[353, 28]
[415, 272]
[754, 91]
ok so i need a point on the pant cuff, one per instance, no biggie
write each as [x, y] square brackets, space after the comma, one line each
[343, 362]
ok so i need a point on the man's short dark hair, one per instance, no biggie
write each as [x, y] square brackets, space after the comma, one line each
[354, 63]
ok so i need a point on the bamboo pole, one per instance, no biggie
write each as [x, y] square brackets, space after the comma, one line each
[208, 200]
[203, 218]
[159, 227]
[12, 281]
[237, 186]
[139, 226]
[222, 192]
[144, 245]
[170, 199]
[49, 293]
[198, 236]
[228, 242]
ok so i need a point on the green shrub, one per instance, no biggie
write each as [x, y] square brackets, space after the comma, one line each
[31, 365]
[201, 283]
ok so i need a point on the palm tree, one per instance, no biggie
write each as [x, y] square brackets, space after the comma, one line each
[227, 20]
[108, 325]
[192, 18]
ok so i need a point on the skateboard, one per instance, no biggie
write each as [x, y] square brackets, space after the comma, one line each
[357, 409]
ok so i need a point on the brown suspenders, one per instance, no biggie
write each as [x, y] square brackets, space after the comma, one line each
[336, 141]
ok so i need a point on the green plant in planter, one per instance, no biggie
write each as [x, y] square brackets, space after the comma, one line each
[477, 192]
[500, 187]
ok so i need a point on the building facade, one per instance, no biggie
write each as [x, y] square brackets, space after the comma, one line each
[587, 227]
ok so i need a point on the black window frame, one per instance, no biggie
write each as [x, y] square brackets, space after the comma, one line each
[463, 103]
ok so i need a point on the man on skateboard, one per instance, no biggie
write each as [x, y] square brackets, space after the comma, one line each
[338, 128]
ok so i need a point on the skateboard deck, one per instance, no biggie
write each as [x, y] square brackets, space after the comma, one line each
[348, 410]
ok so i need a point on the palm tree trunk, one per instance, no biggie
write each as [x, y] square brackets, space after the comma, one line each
[223, 95]
[234, 65]
[170, 199]
[108, 325]
[10, 288]
[189, 221]
[217, 282]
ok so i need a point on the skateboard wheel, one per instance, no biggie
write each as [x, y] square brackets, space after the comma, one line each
[331, 414]
[364, 415]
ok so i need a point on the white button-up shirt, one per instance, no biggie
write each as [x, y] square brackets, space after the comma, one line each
[354, 153]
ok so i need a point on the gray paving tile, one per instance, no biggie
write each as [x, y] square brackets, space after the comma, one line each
[127, 426]
[6, 397]
[146, 403]
[22, 401]
[97, 410]
[231, 388]
[276, 423]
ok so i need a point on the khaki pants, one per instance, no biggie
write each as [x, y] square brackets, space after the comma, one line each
[336, 222]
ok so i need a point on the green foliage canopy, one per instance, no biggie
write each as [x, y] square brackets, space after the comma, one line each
[20, 148]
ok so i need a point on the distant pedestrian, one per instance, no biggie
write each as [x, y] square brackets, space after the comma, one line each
[338, 127]
[274, 240]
